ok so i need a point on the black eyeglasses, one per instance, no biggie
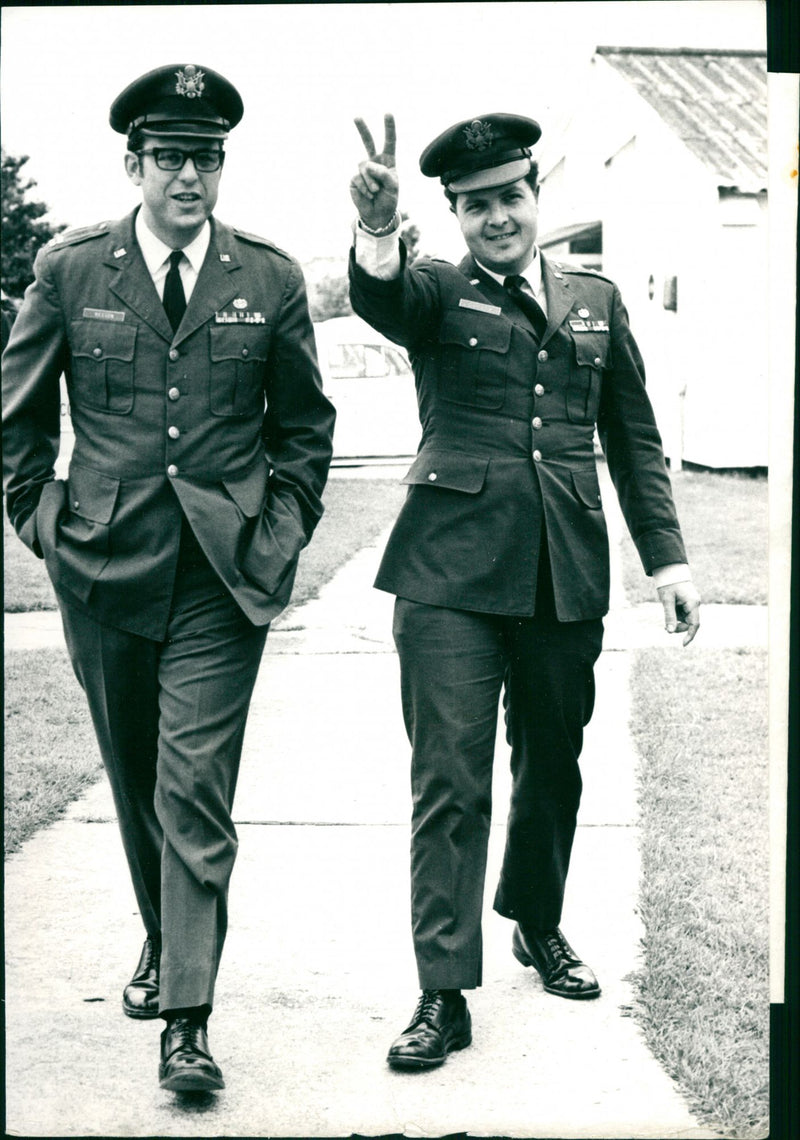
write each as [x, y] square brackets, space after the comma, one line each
[172, 158]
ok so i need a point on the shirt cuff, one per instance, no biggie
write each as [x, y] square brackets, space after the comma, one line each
[379, 256]
[672, 574]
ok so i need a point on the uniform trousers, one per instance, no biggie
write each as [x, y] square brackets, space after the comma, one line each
[170, 718]
[453, 666]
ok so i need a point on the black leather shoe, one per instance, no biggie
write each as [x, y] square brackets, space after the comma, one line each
[562, 971]
[140, 996]
[441, 1022]
[186, 1062]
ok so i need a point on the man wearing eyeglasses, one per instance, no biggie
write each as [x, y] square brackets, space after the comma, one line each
[202, 445]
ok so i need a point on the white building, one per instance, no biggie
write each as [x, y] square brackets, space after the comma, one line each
[660, 182]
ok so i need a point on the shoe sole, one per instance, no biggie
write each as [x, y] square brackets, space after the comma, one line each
[525, 960]
[192, 1082]
[139, 1014]
[415, 1063]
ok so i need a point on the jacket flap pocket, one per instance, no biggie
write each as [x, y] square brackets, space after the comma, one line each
[239, 342]
[477, 331]
[587, 487]
[448, 469]
[91, 494]
[103, 340]
[249, 490]
[591, 349]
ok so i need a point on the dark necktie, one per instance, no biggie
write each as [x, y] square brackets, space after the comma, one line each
[530, 307]
[174, 297]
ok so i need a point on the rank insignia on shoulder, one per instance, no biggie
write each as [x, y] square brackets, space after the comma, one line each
[239, 317]
[479, 307]
[120, 252]
[224, 257]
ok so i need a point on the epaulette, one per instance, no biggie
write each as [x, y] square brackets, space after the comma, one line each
[582, 270]
[72, 237]
[254, 239]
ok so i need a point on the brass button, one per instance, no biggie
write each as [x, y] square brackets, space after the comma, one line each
[537, 455]
[174, 393]
[245, 352]
[172, 471]
[597, 362]
[543, 355]
[537, 423]
[173, 354]
[97, 351]
[433, 477]
[539, 390]
[473, 340]
[173, 432]
[76, 504]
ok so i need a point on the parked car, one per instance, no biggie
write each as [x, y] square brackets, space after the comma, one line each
[370, 383]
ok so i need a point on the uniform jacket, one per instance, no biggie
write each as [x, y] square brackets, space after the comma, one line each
[507, 439]
[223, 422]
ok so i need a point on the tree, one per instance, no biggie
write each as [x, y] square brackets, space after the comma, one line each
[410, 235]
[23, 231]
[329, 297]
[329, 294]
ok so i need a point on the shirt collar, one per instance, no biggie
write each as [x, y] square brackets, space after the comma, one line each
[532, 274]
[155, 252]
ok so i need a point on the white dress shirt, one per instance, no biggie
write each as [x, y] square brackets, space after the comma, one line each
[156, 256]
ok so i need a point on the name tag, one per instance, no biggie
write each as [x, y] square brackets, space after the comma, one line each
[465, 303]
[103, 315]
[589, 326]
[239, 317]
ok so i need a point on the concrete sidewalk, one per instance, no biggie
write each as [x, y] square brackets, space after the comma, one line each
[318, 974]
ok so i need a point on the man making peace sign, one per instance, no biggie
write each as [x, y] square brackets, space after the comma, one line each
[499, 559]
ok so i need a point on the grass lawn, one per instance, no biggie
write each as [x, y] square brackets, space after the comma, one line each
[25, 582]
[701, 731]
[724, 523]
[50, 753]
[50, 750]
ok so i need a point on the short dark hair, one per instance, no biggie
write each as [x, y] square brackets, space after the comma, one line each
[532, 178]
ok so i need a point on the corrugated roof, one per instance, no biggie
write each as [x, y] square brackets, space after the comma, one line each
[714, 100]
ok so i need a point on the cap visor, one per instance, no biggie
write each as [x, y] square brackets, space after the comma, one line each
[493, 176]
[185, 130]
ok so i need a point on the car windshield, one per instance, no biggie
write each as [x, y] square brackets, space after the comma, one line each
[365, 360]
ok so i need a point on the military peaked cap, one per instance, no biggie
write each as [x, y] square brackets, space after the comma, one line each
[179, 99]
[480, 153]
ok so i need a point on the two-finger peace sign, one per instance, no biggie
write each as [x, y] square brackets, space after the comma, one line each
[386, 157]
[374, 189]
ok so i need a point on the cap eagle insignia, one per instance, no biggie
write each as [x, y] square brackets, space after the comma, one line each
[190, 81]
[478, 135]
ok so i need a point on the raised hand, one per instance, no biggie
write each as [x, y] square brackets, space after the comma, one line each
[374, 189]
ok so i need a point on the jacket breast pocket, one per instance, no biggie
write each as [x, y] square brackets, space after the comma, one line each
[589, 357]
[474, 353]
[238, 354]
[102, 366]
